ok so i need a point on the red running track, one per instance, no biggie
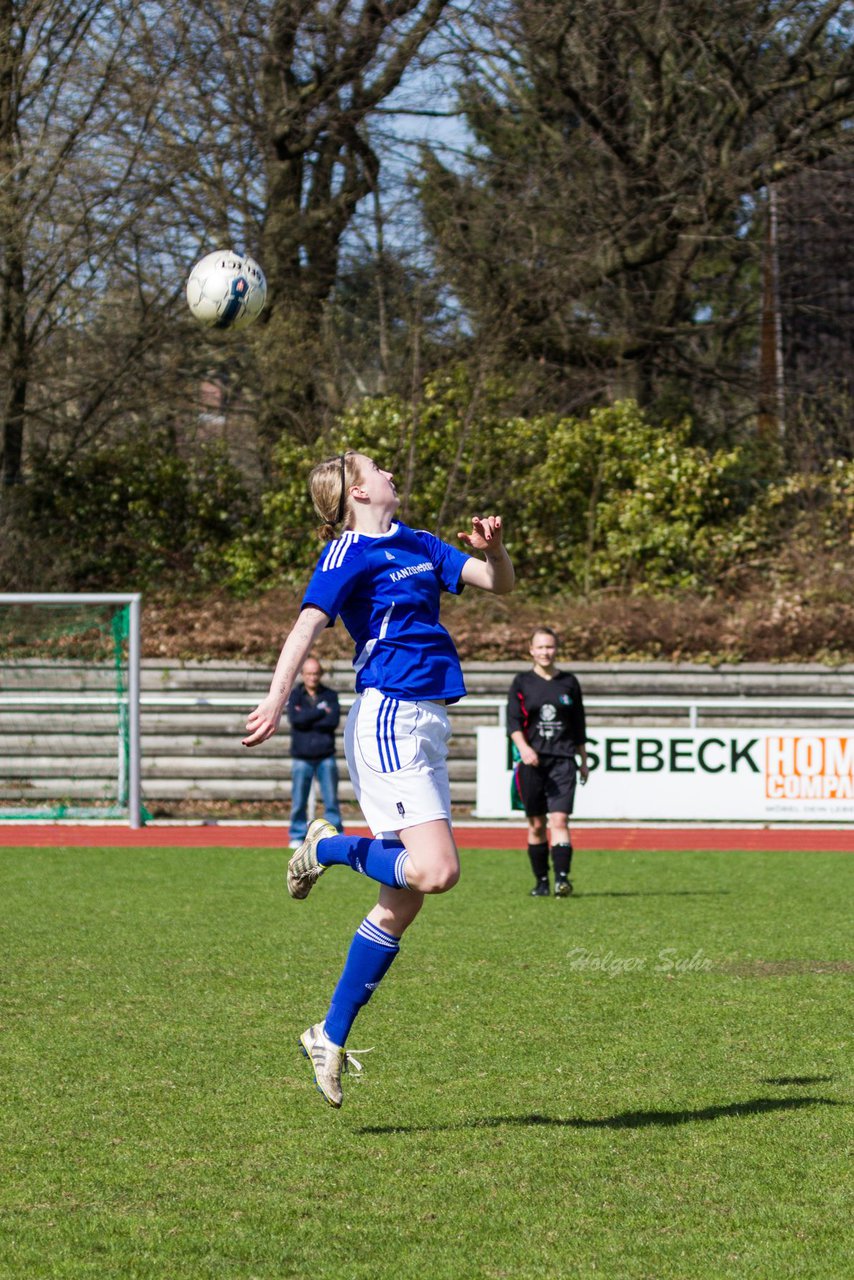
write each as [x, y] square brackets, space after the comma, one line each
[805, 839]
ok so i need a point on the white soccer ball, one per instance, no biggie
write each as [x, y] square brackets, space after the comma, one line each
[226, 291]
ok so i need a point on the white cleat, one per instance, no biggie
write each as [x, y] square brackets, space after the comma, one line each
[328, 1061]
[303, 868]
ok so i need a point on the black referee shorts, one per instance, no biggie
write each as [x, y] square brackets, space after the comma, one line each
[547, 787]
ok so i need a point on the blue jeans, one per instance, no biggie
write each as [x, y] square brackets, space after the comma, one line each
[303, 773]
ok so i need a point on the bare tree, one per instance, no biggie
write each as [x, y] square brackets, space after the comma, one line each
[816, 308]
[83, 297]
[268, 136]
[134, 135]
[326, 71]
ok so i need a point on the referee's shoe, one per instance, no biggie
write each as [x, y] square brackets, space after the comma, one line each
[563, 886]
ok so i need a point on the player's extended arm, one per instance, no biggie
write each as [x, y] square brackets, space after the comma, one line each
[495, 573]
[263, 722]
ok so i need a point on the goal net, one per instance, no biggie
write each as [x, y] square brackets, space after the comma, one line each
[69, 707]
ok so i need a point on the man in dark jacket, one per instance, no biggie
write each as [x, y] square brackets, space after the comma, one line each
[313, 712]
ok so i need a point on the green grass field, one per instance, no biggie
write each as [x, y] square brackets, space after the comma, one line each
[647, 1080]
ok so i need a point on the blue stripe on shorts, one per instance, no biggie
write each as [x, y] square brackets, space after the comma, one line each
[386, 746]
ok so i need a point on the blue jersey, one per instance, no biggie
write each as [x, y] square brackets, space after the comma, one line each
[386, 590]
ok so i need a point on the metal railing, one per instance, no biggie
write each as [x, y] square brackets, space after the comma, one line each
[627, 702]
[491, 709]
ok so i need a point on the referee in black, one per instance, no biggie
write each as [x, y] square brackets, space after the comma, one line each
[546, 723]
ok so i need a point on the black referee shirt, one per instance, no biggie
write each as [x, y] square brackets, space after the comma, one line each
[550, 713]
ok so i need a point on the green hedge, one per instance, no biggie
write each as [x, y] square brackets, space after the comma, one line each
[136, 515]
[606, 501]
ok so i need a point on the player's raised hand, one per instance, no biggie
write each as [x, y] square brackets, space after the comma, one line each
[262, 723]
[485, 533]
[495, 571]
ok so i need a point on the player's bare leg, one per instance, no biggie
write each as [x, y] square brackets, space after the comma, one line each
[396, 909]
[433, 865]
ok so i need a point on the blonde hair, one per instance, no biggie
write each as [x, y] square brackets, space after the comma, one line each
[328, 485]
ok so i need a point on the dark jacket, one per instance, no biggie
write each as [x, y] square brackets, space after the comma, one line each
[313, 722]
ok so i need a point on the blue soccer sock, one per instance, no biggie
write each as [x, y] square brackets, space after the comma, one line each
[382, 860]
[371, 953]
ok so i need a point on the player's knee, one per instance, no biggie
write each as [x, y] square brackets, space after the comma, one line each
[441, 883]
[440, 879]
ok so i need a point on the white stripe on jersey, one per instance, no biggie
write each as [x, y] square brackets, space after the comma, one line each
[338, 549]
[362, 658]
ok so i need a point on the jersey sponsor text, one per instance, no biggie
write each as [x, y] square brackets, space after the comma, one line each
[426, 566]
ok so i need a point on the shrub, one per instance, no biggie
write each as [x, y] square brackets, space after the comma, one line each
[136, 514]
[610, 499]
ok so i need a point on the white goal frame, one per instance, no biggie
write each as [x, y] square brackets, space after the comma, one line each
[130, 701]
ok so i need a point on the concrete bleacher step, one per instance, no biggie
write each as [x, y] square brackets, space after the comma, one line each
[193, 715]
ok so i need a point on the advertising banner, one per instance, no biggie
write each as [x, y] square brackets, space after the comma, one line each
[694, 775]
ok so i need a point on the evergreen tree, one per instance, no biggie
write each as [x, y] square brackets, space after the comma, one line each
[601, 233]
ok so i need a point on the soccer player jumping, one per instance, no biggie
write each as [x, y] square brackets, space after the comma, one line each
[384, 580]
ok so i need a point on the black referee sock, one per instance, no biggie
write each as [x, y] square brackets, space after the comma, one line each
[539, 856]
[562, 858]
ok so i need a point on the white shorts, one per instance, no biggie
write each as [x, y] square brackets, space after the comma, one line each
[397, 755]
